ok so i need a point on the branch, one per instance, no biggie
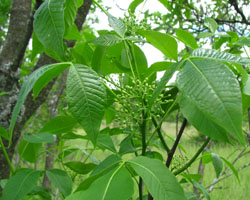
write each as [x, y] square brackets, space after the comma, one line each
[172, 151]
[211, 186]
[190, 162]
[234, 3]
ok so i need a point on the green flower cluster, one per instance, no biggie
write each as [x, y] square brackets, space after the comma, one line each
[133, 24]
[178, 162]
[132, 102]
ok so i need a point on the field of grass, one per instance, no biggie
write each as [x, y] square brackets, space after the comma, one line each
[228, 188]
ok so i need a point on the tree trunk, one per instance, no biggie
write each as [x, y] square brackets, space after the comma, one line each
[18, 36]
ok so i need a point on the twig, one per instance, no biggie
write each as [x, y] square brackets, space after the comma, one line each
[172, 151]
[189, 163]
[211, 186]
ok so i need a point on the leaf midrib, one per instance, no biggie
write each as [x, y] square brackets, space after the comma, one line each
[151, 174]
[109, 182]
[218, 97]
[84, 93]
[52, 19]
[19, 188]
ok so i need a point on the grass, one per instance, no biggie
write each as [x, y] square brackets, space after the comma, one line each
[226, 189]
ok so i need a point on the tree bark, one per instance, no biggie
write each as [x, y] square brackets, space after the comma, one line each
[16, 41]
[18, 36]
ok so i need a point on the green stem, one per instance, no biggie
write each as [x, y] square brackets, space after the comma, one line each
[130, 63]
[161, 136]
[190, 162]
[99, 5]
[143, 132]
[107, 87]
[246, 51]
[163, 118]
[89, 155]
[6, 156]
[141, 9]
[133, 55]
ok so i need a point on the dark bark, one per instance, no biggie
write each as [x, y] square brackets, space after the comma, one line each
[15, 42]
[172, 151]
[19, 34]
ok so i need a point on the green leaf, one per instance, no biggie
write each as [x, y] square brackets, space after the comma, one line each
[158, 67]
[37, 79]
[118, 25]
[186, 37]
[195, 177]
[29, 151]
[165, 3]
[52, 71]
[206, 157]
[243, 41]
[83, 53]
[114, 59]
[110, 161]
[140, 61]
[134, 4]
[49, 27]
[109, 114]
[59, 124]
[217, 163]
[230, 165]
[211, 24]
[151, 72]
[20, 184]
[200, 83]
[202, 189]
[160, 182]
[106, 142]
[201, 121]
[73, 34]
[105, 166]
[79, 167]
[39, 138]
[72, 136]
[3, 93]
[154, 154]
[164, 80]
[98, 55]
[117, 184]
[107, 40]
[42, 192]
[246, 87]
[61, 180]
[126, 146]
[86, 97]
[70, 10]
[220, 56]
[205, 35]
[162, 41]
[4, 133]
